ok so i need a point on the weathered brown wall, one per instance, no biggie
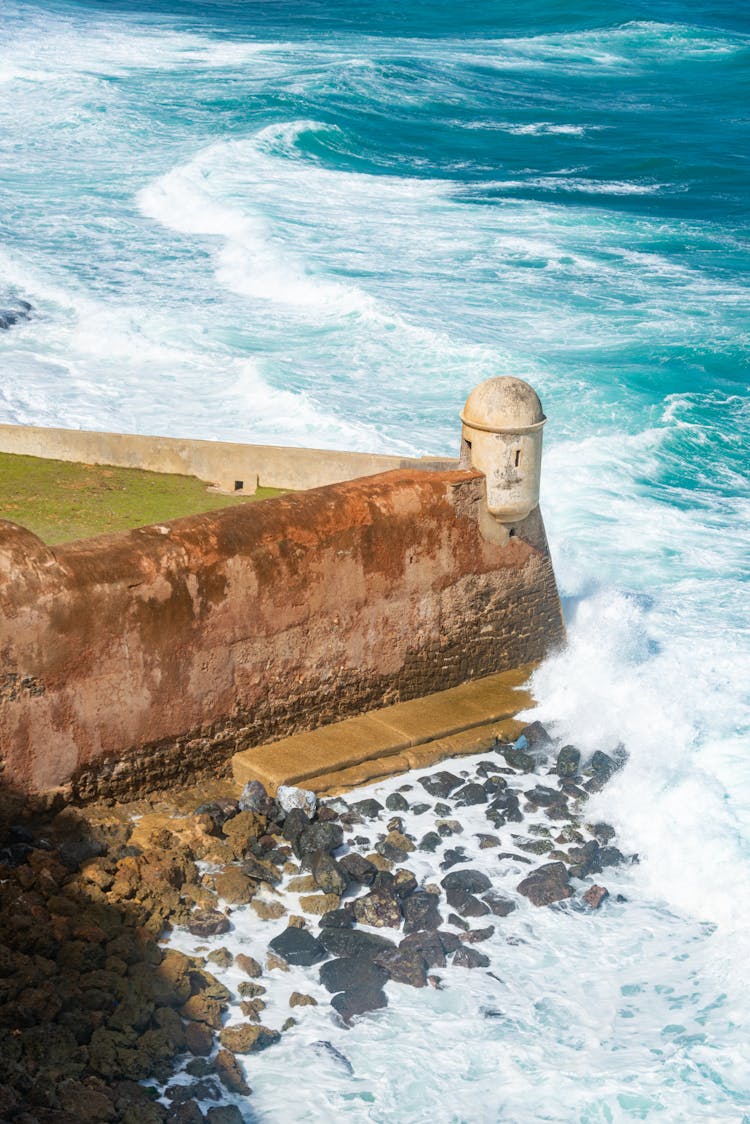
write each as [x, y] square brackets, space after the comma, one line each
[128, 660]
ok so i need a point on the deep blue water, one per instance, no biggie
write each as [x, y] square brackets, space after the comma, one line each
[322, 224]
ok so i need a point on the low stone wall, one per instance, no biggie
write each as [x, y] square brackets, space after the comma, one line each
[223, 463]
[134, 660]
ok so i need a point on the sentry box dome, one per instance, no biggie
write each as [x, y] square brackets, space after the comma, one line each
[501, 436]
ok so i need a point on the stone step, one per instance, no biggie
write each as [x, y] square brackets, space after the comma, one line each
[391, 739]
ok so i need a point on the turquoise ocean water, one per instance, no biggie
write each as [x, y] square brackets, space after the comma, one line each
[322, 224]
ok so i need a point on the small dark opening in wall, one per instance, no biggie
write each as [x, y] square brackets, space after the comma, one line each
[468, 444]
[239, 485]
[518, 457]
[512, 533]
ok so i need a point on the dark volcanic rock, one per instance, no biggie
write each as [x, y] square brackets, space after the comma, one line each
[505, 808]
[421, 912]
[337, 919]
[358, 1001]
[470, 881]
[452, 857]
[428, 945]
[12, 312]
[468, 905]
[298, 946]
[568, 760]
[407, 966]
[430, 842]
[328, 875]
[546, 884]
[397, 803]
[519, 759]
[352, 942]
[543, 796]
[254, 798]
[537, 737]
[498, 904]
[370, 809]
[595, 895]
[359, 868]
[294, 824]
[467, 957]
[319, 837]
[584, 860]
[611, 856]
[440, 784]
[474, 936]
[404, 883]
[353, 972]
[378, 908]
[469, 795]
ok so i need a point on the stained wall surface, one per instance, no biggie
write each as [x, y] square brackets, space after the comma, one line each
[134, 660]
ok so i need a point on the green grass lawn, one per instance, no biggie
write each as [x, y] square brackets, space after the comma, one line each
[60, 501]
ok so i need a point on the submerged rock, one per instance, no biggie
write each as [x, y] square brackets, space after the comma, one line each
[440, 784]
[353, 972]
[327, 1049]
[358, 1001]
[14, 311]
[467, 957]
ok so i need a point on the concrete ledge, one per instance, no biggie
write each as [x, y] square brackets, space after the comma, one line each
[393, 739]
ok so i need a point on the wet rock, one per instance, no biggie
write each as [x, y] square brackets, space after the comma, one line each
[250, 990]
[397, 803]
[369, 809]
[221, 957]
[187, 1113]
[468, 957]
[288, 797]
[546, 884]
[224, 1114]
[519, 759]
[395, 847]
[352, 942]
[395, 824]
[358, 1001]
[404, 965]
[493, 785]
[230, 1074]
[427, 945]
[505, 808]
[584, 860]
[358, 868]
[420, 809]
[568, 760]
[249, 965]
[298, 946]
[448, 827]
[474, 936]
[537, 738]
[328, 874]
[487, 841]
[261, 871]
[319, 837]
[459, 922]
[268, 909]
[602, 832]
[452, 856]
[467, 904]
[247, 1038]
[430, 842]
[353, 972]
[441, 784]
[468, 881]
[254, 798]
[610, 856]
[14, 312]
[207, 923]
[595, 895]
[421, 912]
[533, 846]
[380, 908]
[294, 824]
[499, 905]
[403, 883]
[337, 919]
[299, 999]
[470, 795]
[543, 796]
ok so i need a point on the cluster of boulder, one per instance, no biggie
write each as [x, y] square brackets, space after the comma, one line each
[91, 1002]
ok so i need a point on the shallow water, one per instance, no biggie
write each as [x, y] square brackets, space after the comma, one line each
[323, 224]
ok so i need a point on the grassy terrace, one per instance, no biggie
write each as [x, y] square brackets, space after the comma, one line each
[60, 501]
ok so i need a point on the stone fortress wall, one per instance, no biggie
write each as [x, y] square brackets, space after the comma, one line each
[137, 660]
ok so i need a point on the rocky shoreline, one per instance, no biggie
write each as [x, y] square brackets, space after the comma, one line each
[279, 906]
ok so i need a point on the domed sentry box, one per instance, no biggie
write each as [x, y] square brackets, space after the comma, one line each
[501, 437]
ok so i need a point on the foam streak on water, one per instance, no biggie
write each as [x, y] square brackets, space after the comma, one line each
[322, 225]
